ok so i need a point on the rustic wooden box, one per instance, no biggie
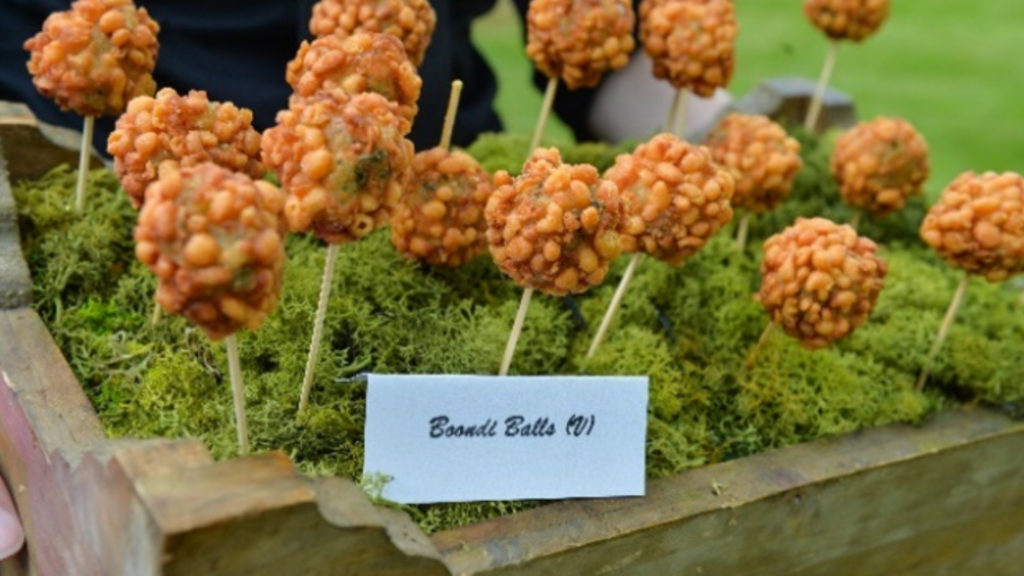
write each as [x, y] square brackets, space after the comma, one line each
[943, 498]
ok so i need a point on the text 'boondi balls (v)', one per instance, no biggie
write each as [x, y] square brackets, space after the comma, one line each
[555, 226]
[215, 240]
[820, 280]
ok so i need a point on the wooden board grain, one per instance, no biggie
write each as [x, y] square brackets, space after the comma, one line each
[944, 497]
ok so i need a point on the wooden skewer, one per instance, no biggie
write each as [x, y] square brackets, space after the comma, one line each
[524, 302]
[158, 313]
[814, 110]
[756, 350]
[741, 233]
[84, 154]
[677, 114]
[855, 219]
[449, 116]
[318, 325]
[616, 302]
[947, 322]
[238, 392]
[545, 111]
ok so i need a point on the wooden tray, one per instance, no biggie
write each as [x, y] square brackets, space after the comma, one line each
[943, 498]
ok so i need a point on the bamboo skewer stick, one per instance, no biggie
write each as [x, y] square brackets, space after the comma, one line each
[158, 313]
[449, 116]
[238, 392]
[814, 110]
[84, 154]
[609, 314]
[524, 302]
[742, 231]
[756, 350]
[947, 322]
[677, 114]
[855, 219]
[545, 111]
[318, 325]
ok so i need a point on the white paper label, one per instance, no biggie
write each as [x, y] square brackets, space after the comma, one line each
[464, 438]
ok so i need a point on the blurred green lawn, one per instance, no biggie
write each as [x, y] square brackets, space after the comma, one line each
[954, 68]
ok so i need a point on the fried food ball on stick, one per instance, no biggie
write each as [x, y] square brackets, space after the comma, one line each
[840, 20]
[411, 21]
[553, 228]
[880, 164]
[577, 41]
[675, 199]
[820, 281]
[344, 164]
[93, 59]
[215, 240]
[188, 129]
[763, 159]
[692, 45]
[362, 62]
[978, 226]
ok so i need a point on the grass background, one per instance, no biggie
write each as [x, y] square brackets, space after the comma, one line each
[953, 68]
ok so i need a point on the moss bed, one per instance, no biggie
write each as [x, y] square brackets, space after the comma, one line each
[689, 328]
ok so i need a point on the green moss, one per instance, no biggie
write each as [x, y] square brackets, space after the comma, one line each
[689, 328]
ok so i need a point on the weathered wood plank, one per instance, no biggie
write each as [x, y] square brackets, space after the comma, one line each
[15, 284]
[33, 148]
[896, 500]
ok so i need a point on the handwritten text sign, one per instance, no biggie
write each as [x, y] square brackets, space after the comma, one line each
[466, 438]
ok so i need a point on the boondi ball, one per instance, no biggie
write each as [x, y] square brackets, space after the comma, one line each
[187, 129]
[411, 21]
[215, 240]
[554, 227]
[691, 42]
[820, 281]
[978, 224]
[847, 19]
[880, 164]
[763, 159]
[362, 62]
[440, 219]
[580, 40]
[342, 160]
[95, 57]
[675, 198]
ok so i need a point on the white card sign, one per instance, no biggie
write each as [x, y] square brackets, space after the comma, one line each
[464, 438]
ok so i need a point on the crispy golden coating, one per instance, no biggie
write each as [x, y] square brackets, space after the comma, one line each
[690, 42]
[215, 240]
[580, 40]
[764, 160]
[187, 129]
[440, 219]
[978, 224]
[342, 160]
[411, 21]
[554, 227]
[820, 280]
[363, 62]
[879, 164]
[95, 57]
[674, 197]
[847, 19]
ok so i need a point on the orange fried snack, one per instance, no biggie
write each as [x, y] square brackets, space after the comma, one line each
[762, 157]
[362, 62]
[580, 40]
[847, 19]
[187, 129]
[690, 42]
[978, 224]
[440, 219]
[411, 21]
[95, 57]
[555, 226]
[820, 280]
[879, 164]
[342, 160]
[215, 240]
[674, 197]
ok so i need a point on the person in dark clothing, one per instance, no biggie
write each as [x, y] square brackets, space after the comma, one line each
[238, 51]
